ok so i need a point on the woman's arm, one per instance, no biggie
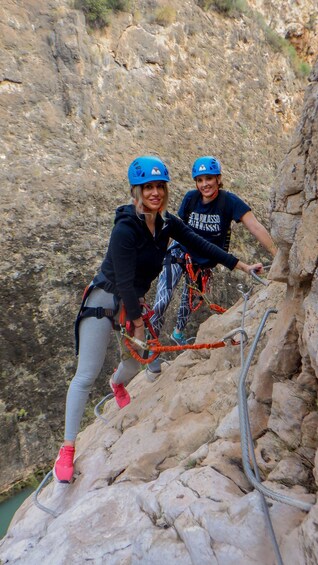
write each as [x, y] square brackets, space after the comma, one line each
[257, 267]
[198, 245]
[259, 232]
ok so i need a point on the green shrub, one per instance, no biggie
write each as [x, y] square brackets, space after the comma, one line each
[228, 7]
[275, 40]
[22, 414]
[204, 4]
[281, 45]
[97, 12]
[118, 5]
[190, 464]
[231, 7]
[303, 69]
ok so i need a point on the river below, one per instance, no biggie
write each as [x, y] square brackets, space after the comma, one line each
[10, 506]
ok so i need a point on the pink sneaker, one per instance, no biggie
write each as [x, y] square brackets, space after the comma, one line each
[121, 394]
[64, 467]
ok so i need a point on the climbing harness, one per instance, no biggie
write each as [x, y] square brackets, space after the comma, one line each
[198, 281]
[197, 278]
[152, 348]
[88, 312]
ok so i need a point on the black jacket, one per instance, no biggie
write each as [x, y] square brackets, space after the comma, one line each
[134, 257]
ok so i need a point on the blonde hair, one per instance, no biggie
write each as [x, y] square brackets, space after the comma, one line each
[136, 195]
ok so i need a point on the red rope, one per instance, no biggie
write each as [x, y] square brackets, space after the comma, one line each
[157, 348]
[194, 291]
[217, 308]
[153, 344]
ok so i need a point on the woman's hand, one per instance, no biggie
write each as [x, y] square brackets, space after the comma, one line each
[257, 267]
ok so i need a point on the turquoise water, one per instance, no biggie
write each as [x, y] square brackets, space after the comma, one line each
[10, 506]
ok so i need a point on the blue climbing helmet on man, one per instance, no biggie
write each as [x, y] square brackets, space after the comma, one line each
[206, 166]
[146, 169]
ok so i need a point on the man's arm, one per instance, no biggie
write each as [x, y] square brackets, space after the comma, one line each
[258, 231]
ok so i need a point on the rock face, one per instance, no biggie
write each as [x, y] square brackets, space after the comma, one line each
[75, 108]
[162, 480]
[295, 21]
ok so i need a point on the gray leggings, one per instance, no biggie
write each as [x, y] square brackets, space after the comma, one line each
[94, 336]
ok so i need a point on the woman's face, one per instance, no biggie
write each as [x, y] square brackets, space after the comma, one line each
[208, 185]
[153, 193]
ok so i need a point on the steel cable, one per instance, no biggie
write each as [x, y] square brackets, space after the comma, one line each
[251, 451]
[244, 425]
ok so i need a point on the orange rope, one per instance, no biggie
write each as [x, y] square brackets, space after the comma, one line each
[191, 300]
[194, 290]
[217, 308]
[156, 349]
[153, 345]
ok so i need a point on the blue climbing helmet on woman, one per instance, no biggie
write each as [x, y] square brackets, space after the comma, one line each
[146, 169]
[206, 166]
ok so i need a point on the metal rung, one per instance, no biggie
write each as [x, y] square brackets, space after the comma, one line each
[238, 331]
[96, 409]
[259, 279]
[37, 492]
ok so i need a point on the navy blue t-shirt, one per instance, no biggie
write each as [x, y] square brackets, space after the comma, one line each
[211, 222]
[134, 256]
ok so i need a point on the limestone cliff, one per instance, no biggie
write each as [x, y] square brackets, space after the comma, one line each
[162, 480]
[75, 108]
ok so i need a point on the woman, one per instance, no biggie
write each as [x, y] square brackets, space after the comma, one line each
[209, 211]
[136, 250]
